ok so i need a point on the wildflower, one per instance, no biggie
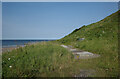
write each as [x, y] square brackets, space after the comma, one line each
[8, 58]
[10, 66]
[103, 32]
[60, 68]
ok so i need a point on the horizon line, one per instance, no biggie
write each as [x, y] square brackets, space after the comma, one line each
[59, 0]
[30, 39]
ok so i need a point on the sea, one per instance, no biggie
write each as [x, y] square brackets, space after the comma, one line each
[15, 43]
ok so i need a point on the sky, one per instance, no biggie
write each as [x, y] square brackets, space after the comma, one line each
[60, 0]
[50, 20]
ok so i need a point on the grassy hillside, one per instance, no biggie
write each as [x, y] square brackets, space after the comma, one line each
[100, 38]
[106, 29]
[49, 59]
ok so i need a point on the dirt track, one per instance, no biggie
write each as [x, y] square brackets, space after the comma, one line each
[79, 54]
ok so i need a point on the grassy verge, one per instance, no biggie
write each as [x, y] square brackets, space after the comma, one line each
[108, 60]
[42, 59]
[106, 65]
[49, 59]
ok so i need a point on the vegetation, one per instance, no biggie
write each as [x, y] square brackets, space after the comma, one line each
[49, 59]
[42, 59]
[99, 38]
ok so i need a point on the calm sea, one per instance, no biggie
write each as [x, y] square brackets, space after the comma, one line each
[14, 43]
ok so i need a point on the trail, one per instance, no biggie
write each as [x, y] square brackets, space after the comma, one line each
[79, 54]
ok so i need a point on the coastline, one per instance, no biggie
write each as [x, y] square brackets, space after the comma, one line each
[10, 48]
[10, 45]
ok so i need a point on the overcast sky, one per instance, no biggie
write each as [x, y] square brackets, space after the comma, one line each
[50, 20]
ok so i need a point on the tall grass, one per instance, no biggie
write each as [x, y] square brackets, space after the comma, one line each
[39, 60]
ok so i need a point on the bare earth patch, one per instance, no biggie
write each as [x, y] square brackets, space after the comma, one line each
[86, 73]
[79, 54]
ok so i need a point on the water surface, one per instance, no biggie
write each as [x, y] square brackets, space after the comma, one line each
[14, 43]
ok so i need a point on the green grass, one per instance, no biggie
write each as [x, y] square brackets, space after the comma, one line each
[42, 59]
[49, 59]
[100, 38]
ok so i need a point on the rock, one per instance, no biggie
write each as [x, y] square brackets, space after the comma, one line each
[80, 39]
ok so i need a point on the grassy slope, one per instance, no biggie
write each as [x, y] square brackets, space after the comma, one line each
[100, 38]
[50, 59]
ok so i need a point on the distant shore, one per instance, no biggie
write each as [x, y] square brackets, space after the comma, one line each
[10, 48]
[17, 44]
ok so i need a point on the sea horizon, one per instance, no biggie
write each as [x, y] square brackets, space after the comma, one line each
[15, 43]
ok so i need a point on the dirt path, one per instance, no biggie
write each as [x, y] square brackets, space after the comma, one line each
[79, 54]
